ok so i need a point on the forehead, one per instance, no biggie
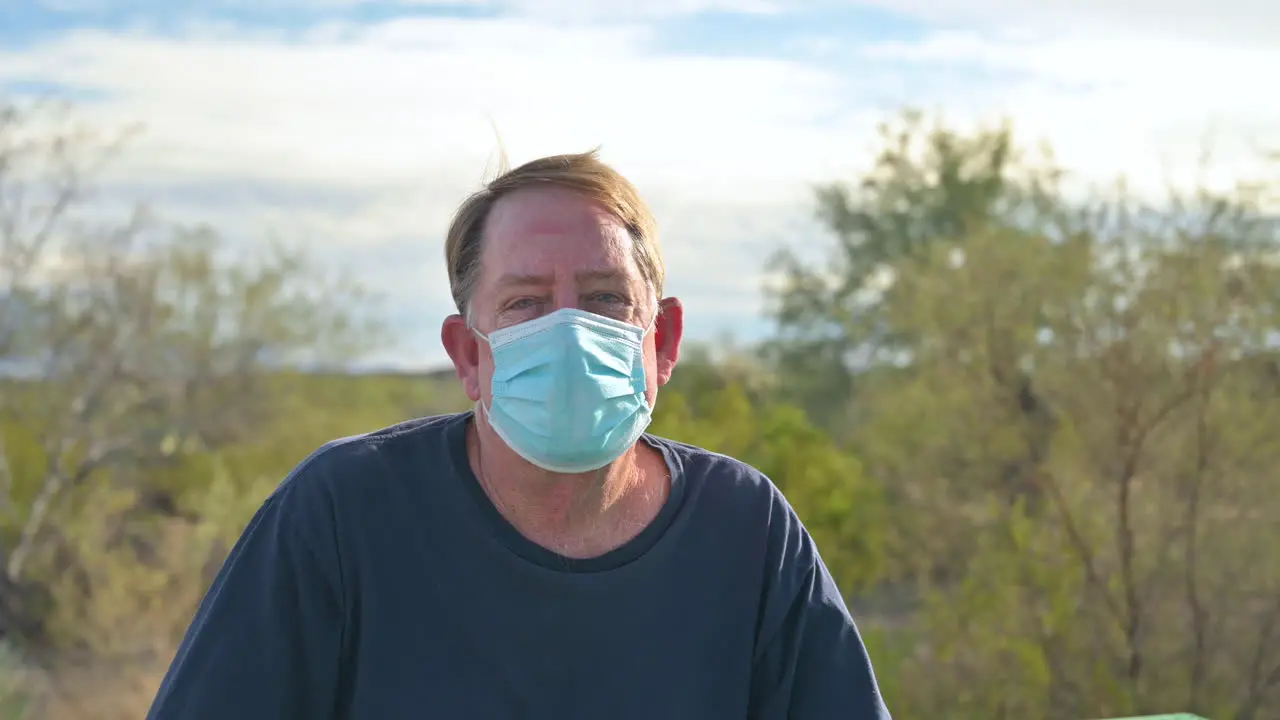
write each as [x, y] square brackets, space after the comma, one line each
[554, 232]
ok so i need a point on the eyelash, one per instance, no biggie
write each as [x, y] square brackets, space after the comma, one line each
[523, 303]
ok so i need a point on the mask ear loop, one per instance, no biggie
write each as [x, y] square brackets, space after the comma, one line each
[480, 406]
[653, 322]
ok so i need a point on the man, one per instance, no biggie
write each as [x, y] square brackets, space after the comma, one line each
[540, 556]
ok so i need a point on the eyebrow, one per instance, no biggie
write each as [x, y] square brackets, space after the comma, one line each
[517, 280]
[510, 280]
[592, 275]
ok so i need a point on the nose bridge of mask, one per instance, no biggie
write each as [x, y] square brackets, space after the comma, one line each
[599, 343]
[616, 329]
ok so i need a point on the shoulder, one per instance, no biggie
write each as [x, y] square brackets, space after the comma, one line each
[717, 471]
[341, 465]
[730, 489]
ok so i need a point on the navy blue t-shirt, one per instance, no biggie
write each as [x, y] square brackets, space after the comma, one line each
[379, 583]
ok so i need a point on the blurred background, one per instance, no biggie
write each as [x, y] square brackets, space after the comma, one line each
[990, 289]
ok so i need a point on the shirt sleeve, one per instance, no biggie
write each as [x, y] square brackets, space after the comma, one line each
[265, 643]
[812, 663]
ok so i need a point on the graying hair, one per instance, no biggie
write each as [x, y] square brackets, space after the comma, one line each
[581, 172]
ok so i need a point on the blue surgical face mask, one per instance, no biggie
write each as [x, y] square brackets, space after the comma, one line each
[568, 389]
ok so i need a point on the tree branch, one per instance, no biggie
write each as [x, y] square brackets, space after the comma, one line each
[1191, 557]
[1081, 546]
[1258, 684]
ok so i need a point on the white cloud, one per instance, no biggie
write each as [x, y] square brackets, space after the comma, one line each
[1147, 108]
[73, 6]
[255, 134]
[386, 105]
[589, 10]
[365, 137]
[1225, 21]
[570, 10]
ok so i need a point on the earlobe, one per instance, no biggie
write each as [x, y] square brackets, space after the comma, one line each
[668, 332]
[464, 351]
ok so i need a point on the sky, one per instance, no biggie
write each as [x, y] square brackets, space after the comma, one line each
[357, 126]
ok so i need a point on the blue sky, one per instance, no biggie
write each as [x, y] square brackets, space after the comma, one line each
[357, 125]
[32, 22]
[710, 31]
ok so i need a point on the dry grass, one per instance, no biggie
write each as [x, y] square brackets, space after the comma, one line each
[103, 693]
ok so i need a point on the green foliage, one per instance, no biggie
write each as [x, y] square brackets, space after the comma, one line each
[927, 187]
[1072, 411]
[824, 484]
[18, 696]
[123, 576]
[1034, 439]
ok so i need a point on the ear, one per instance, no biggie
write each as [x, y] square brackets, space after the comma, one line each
[668, 331]
[464, 350]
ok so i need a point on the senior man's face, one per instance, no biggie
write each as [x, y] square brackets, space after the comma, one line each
[546, 249]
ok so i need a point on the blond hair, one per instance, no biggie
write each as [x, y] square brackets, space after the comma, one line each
[583, 173]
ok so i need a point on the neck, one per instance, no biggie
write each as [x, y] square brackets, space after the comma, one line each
[576, 515]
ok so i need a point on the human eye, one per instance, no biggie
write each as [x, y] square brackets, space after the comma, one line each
[609, 298]
[610, 304]
[519, 309]
[523, 303]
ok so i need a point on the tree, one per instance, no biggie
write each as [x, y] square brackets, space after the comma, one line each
[928, 186]
[127, 347]
[1077, 451]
